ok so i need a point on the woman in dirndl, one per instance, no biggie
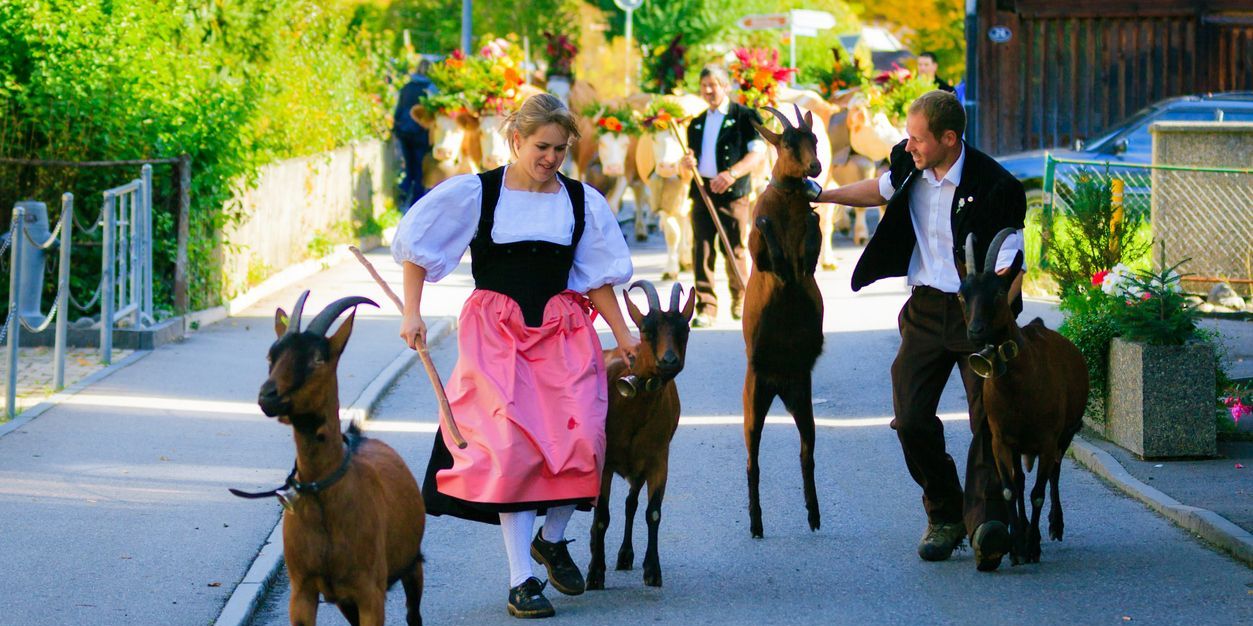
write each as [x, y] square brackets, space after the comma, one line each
[528, 391]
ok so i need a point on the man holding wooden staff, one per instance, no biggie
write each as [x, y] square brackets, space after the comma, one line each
[723, 150]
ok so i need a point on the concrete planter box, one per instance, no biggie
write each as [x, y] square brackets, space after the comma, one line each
[1161, 399]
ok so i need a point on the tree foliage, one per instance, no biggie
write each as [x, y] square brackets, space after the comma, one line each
[937, 26]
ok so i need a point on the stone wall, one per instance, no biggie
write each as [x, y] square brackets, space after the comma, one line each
[298, 208]
[1204, 216]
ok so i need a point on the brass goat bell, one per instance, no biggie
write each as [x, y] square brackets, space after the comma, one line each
[629, 386]
[987, 363]
[287, 497]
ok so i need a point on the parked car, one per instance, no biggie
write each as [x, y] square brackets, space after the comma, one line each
[1130, 141]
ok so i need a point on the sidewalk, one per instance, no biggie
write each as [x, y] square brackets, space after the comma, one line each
[114, 503]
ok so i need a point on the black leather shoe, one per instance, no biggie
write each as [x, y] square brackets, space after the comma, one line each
[562, 572]
[527, 600]
[991, 542]
[940, 540]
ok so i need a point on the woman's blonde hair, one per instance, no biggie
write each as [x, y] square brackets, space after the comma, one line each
[538, 111]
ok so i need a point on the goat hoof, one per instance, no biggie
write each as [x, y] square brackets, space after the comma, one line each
[652, 579]
[640, 237]
[1055, 532]
[626, 560]
[757, 530]
[595, 580]
[815, 522]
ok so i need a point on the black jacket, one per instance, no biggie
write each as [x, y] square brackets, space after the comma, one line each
[737, 130]
[994, 200]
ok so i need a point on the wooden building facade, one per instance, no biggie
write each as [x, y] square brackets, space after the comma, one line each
[1052, 71]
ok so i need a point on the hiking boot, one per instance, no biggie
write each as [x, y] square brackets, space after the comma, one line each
[991, 542]
[940, 540]
[562, 572]
[527, 600]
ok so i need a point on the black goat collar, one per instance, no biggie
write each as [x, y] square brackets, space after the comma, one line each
[788, 185]
[993, 361]
[285, 494]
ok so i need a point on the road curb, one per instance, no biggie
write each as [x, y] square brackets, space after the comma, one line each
[57, 398]
[250, 591]
[1206, 524]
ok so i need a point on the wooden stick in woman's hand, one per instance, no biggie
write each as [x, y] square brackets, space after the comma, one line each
[445, 411]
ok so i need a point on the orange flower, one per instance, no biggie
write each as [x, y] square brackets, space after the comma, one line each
[512, 76]
[612, 124]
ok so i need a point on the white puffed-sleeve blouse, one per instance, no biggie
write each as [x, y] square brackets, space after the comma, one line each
[437, 230]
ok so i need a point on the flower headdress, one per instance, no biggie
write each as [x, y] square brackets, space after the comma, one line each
[661, 114]
[616, 120]
[560, 51]
[758, 73]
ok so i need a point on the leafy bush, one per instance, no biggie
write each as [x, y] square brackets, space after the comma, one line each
[1095, 234]
[235, 85]
[1149, 306]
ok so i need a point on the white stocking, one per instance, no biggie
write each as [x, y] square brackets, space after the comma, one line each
[555, 522]
[517, 528]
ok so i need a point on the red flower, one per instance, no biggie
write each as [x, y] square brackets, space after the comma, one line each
[1146, 295]
[1098, 278]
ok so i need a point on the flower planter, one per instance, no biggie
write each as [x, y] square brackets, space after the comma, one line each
[1161, 399]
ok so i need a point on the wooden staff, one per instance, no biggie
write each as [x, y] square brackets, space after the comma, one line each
[713, 213]
[445, 411]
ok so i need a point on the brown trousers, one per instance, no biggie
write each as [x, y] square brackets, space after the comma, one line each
[734, 216]
[933, 340]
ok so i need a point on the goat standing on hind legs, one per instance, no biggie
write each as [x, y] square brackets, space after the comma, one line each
[1035, 389]
[643, 415]
[356, 522]
[782, 305]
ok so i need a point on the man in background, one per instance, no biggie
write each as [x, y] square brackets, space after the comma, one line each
[412, 137]
[927, 67]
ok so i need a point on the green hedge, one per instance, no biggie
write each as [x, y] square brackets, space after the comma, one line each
[236, 85]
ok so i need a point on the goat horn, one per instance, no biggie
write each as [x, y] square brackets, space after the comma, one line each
[293, 322]
[323, 321]
[970, 254]
[675, 292]
[650, 291]
[994, 250]
[782, 118]
[800, 118]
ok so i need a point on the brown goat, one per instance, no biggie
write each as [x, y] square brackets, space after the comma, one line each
[1035, 389]
[354, 524]
[643, 415]
[782, 306]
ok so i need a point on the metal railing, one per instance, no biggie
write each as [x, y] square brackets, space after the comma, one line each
[126, 264]
[19, 238]
[1204, 214]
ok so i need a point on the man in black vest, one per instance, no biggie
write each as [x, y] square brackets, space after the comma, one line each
[413, 139]
[724, 148]
[937, 191]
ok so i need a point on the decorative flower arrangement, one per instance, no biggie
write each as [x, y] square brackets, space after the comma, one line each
[660, 115]
[848, 71]
[1149, 305]
[487, 82]
[892, 91]
[668, 65]
[560, 51]
[758, 73]
[618, 120]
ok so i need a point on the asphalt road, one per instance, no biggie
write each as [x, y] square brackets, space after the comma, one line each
[1119, 562]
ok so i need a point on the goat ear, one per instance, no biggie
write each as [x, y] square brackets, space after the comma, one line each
[690, 308]
[340, 338]
[766, 133]
[809, 120]
[280, 322]
[633, 310]
[1015, 266]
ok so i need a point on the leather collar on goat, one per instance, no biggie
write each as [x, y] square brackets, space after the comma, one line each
[285, 493]
[788, 185]
[992, 361]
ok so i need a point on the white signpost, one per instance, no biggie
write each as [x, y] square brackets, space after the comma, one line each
[629, 6]
[799, 23]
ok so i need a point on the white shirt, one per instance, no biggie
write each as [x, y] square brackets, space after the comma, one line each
[930, 203]
[708, 164]
[437, 230]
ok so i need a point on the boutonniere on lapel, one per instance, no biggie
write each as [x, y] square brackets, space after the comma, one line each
[962, 202]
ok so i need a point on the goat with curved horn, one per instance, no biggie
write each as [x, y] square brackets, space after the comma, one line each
[994, 249]
[293, 321]
[650, 291]
[323, 321]
[800, 119]
[970, 254]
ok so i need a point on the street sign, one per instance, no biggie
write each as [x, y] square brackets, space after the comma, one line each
[629, 5]
[764, 21]
[1000, 34]
[812, 20]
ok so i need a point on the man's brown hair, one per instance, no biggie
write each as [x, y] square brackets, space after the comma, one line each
[942, 111]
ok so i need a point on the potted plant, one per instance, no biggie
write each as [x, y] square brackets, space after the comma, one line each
[1161, 370]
